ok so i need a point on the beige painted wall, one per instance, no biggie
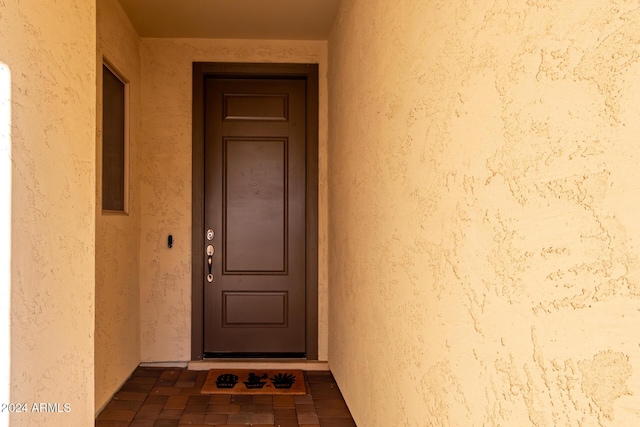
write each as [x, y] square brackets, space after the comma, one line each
[165, 275]
[484, 192]
[5, 228]
[117, 346]
[49, 50]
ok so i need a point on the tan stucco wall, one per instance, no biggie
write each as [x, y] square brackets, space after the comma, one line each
[5, 228]
[49, 49]
[484, 189]
[117, 349]
[166, 181]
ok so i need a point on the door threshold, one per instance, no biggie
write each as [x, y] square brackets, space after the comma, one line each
[305, 365]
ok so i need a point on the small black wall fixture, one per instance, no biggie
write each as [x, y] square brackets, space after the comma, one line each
[170, 241]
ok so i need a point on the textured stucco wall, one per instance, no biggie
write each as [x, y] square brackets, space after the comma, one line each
[484, 190]
[117, 347]
[5, 245]
[49, 50]
[166, 181]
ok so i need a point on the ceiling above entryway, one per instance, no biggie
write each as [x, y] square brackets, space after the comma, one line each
[240, 19]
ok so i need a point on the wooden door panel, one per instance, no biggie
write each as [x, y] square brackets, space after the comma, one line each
[255, 200]
[259, 107]
[255, 309]
[255, 211]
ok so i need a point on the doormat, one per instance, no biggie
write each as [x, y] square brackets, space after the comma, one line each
[254, 381]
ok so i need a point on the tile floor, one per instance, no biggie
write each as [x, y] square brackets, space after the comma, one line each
[170, 397]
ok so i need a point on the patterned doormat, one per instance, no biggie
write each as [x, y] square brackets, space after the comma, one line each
[254, 381]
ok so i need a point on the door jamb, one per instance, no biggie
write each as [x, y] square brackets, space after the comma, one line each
[309, 73]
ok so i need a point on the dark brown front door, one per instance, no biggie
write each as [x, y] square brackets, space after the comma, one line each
[254, 187]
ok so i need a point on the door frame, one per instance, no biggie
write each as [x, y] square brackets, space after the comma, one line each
[309, 73]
